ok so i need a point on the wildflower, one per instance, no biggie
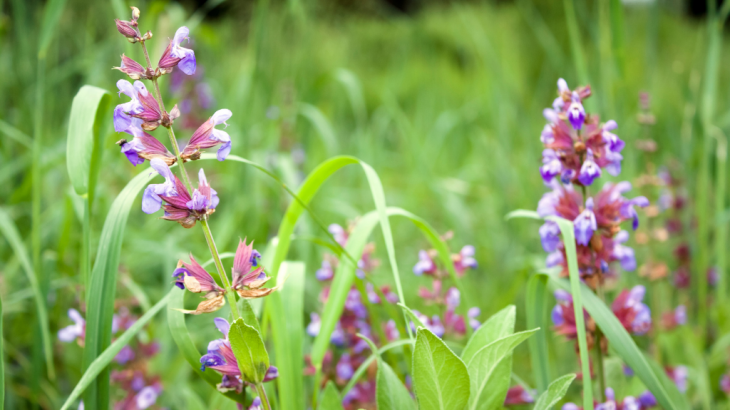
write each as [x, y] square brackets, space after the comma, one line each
[247, 282]
[145, 147]
[464, 260]
[362, 393]
[563, 317]
[193, 277]
[315, 324]
[391, 331]
[585, 224]
[518, 395]
[177, 56]
[255, 404]
[634, 315]
[147, 397]
[680, 376]
[125, 355]
[425, 264]
[207, 136]
[623, 254]
[129, 28]
[339, 233]
[675, 318]
[134, 70]
[123, 120]
[589, 171]
[180, 206]
[77, 331]
[220, 358]
[576, 113]
[552, 166]
[326, 271]
[344, 368]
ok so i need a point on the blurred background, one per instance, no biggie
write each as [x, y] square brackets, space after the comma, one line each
[443, 98]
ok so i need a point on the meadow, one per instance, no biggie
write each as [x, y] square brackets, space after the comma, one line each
[370, 151]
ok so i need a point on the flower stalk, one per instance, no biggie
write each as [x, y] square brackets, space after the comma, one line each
[262, 394]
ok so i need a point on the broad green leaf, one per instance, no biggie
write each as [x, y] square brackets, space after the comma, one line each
[567, 230]
[288, 335]
[499, 325]
[390, 392]
[554, 392]
[10, 231]
[102, 288]
[488, 375]
[102, 362]
[440, 378]
[87, 107]
[621, 342]
[250, 352]
[247, 314]
[330, 398]
[537, 310]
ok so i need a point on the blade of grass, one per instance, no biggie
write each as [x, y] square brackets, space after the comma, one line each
[535, 309]
[2, 360]
[576, 47]
[9, 230]
[566, 229]
[102, 362]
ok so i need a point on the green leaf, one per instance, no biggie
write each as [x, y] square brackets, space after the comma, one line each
[554, 392]
[409, 313]
[102, 362]
[567, 230]
[366, 364]
[536, 310]
[250, 352]
[390, 392]
[88, 106]
[440, 378]
[330, 398]
[10, 231]
[523, 213]
[489, 374]
[102, 288]
[2, 359]
[500, 325]
[621, 342]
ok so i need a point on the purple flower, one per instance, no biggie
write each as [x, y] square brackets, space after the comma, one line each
[339, 233]
[354, 304]
[473, 313]
[344, 367]
[315, 324]
[194, 278]
[247, 281]
[72, 332]
[123, 120]
[151, 200]
[452, 299]
[144, 146]
[680, 377]
[547, 136]
[465, 259]
[548, 202]
[207, 136]
[646, 400]
[146, 397]
[554, 259]
[175, 55]
[325, 272]
[585, 224]
[589, 170]
[391, 331]
[550, 236]
[634, 315]
[425, 264]
[628, 211]
[680, 315]
[624, 254]
[551, 165]
[125, 355]
[255, 404]
[372, 295]
[725, 384]
[576, 113]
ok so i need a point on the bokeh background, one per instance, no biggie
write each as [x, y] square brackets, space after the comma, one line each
[443, 99]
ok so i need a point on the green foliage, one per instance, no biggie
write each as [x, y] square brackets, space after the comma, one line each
[554, 392]
[537, 312]
[250, 352]
[440, 378]
[330, 398]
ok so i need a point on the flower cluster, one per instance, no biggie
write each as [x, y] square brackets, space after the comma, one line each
[221, 359]
[138, 389]
[448, 300]
[577, 146]
[358, 317]
[645, 400]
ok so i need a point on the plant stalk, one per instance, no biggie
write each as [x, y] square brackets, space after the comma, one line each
[262, 395]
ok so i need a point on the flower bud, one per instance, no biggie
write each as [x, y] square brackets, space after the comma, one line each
[135, 13]
[147, 35]
[127, 28]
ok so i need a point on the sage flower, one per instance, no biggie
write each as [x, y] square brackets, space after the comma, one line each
[177, 56]
[207, 136]
[248, 282]
[196, 279]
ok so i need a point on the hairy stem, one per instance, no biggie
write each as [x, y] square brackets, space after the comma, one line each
[204, 222]
[262, 395]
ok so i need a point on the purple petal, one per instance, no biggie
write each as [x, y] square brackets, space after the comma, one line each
[222, 325]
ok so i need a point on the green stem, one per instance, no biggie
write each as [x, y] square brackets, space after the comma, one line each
[599, 353]
[219, 266]
[262, 395]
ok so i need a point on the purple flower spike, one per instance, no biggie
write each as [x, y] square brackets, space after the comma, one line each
[647, 400]
[146, 397]
[585, 224]
[550, 236]
[551, 165]
[345, 370]
[589, 170]
[151, 201]
[576, 112]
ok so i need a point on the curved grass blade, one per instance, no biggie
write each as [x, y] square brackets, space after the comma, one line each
[16, 243]
[2, 360]
[366, 364]
[102, 288]
[102, 362]
[566, 229]
[620, 341]
[536, 308]
[554, 392]
[83, 130]
[522, 213]
[440, 378]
